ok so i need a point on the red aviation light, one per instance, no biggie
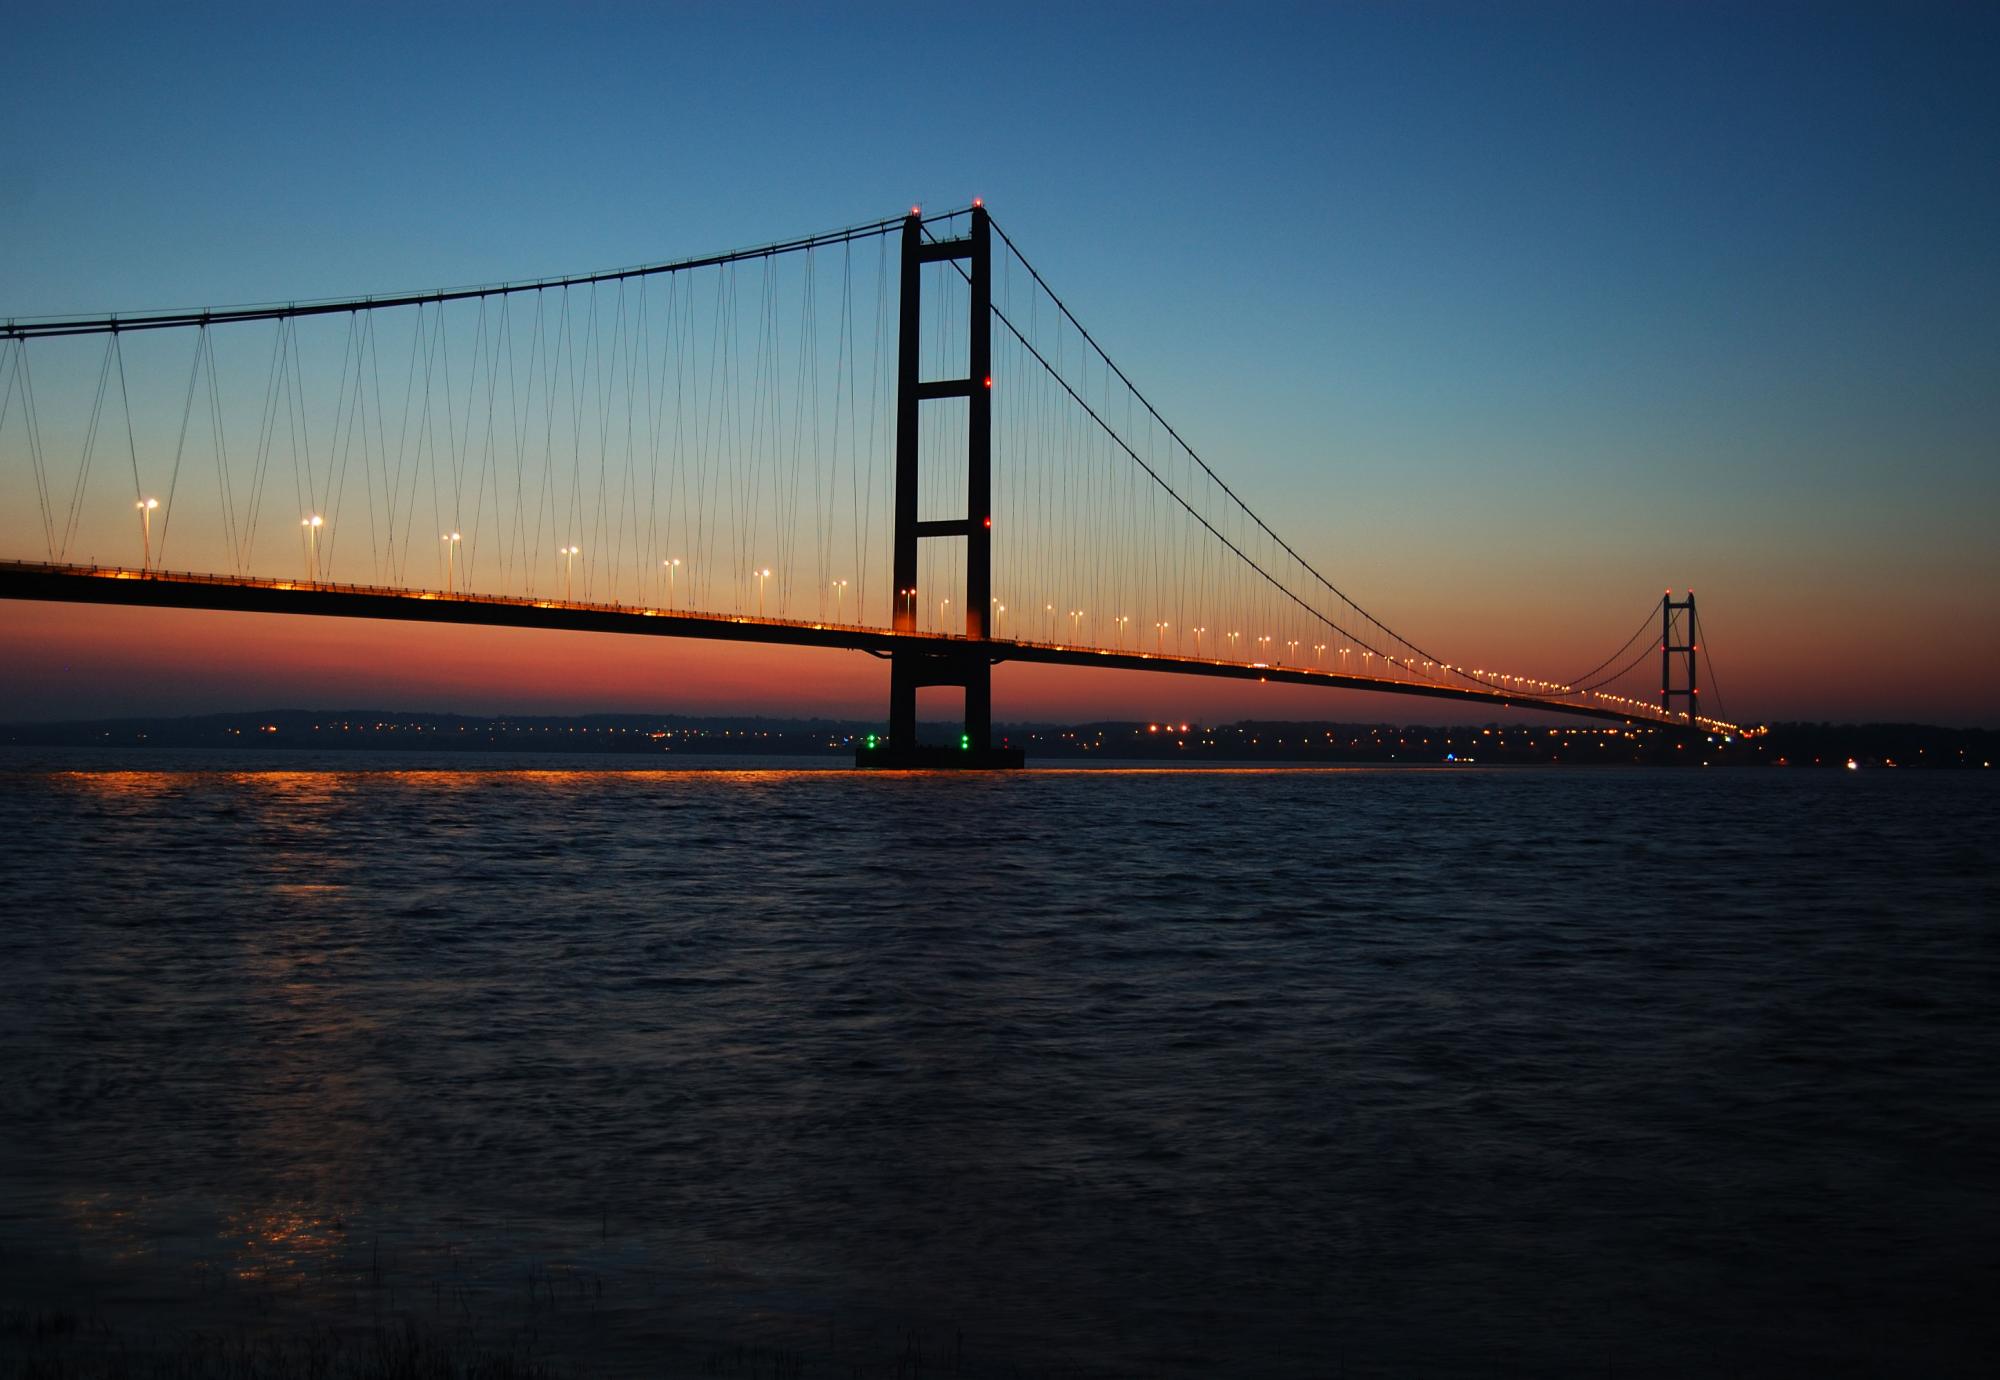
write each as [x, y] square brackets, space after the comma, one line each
[989, 521]
[989, 380]
[978, 201]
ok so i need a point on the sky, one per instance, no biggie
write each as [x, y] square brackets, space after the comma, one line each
[1511, 316]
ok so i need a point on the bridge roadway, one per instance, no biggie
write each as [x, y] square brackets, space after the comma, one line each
[82, 584]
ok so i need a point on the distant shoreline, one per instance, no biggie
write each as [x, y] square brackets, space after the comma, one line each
[1246, 741]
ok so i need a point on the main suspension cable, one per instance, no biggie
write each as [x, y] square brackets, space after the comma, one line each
[1643, 626]
[1154, 412]
[1192, 454]
[30, 327]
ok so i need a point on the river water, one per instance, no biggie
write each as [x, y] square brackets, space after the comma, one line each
[1272, 1072]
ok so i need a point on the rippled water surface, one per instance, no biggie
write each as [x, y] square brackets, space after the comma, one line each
[1080, 1073]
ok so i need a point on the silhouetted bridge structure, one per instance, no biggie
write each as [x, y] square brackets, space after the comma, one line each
[705, 444]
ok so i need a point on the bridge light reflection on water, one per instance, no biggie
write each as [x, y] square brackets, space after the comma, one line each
[800, 1068]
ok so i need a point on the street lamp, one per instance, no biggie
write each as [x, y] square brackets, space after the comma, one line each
[146, 506]
[450, 540]
[762, 575]
[1232, 642]
[1197, 640]
[1049, 622]
[998, 610]
[312, 525]
[1076, 625]
[568, 553]
[840, 601]
[1160, 641]
[1123, 619]
[1292, 651]
[671, 566]
[1319, 651]
[943, 606]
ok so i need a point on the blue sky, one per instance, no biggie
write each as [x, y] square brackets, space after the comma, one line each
[1516, 314]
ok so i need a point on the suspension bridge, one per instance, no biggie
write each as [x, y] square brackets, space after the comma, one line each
[894, 438]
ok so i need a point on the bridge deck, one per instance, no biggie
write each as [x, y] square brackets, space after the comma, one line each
[173, 589]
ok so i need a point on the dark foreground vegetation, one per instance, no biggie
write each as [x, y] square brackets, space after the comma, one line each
[1585, 743]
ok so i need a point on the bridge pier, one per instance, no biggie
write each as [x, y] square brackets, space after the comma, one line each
[972, 669]
[909, 672]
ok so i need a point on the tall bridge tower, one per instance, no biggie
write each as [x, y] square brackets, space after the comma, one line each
[1685, 649]
[969, 668]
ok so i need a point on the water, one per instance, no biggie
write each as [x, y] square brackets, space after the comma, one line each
[1066, 1072]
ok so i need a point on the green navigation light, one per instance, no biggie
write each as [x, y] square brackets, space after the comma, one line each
[965, 741]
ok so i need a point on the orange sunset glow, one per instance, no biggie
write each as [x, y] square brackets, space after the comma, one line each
[84, 661]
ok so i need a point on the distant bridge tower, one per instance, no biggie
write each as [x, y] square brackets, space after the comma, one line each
[1685, 650]
[970, 668]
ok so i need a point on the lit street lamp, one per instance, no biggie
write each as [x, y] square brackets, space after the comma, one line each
[671, 566]
[450, 540]
[762, 575]
[312, 525]
[840, 601]
[1076, 625]
[568, 553]
[146, 506]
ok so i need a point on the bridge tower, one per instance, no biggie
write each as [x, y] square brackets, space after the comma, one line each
[971, 667]
[1685, 650]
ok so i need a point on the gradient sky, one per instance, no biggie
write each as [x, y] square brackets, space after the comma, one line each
[1515, 316]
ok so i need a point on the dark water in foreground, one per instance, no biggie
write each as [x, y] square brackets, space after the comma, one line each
[1273, 1072]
